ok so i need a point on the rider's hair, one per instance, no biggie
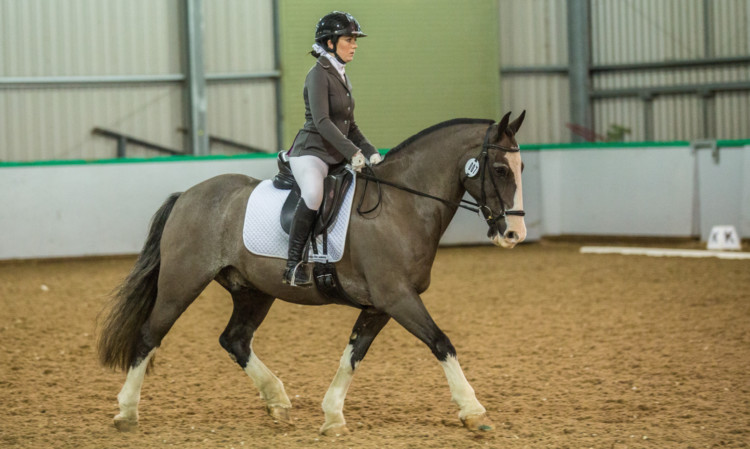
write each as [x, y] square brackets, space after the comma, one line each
[324, 43]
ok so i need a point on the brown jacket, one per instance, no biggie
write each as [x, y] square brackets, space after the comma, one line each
[330, 132]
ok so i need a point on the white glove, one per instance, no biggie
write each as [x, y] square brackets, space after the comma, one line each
[358, 161]
[375, 159]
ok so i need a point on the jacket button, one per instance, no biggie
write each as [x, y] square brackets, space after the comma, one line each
[346, 122]
[347, 94]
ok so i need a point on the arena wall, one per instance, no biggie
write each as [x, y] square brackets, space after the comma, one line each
[103, 208]
[659, 190]
[656, 190]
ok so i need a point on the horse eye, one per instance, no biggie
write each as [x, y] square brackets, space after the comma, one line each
[501, 170]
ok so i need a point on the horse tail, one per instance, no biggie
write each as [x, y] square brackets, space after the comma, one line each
[132, 302]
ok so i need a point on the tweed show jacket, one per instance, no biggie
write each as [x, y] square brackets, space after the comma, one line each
[330, 132]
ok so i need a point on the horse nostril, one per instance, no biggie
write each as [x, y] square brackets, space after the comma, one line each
[511, 235]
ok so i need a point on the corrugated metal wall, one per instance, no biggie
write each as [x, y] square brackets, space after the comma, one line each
[89, 37]
[731, 37]
[69, 38]
[144, 38]
[239, 40]
[633, 32]
[638, 31]
[61, 39]
[533, 34]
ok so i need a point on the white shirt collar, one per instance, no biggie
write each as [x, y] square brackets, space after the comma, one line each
[336, 63]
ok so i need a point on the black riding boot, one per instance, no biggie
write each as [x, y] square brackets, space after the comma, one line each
[296, 273]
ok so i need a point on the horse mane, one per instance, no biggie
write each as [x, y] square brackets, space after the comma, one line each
[433, 128]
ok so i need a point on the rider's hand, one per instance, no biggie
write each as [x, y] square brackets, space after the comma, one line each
[375, 159]
[358, 161]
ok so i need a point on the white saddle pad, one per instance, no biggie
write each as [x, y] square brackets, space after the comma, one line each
[262, 232]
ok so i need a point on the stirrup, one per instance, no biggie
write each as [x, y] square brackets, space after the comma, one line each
[292, 278]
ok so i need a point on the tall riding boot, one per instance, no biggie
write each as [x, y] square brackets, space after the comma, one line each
[296, 273]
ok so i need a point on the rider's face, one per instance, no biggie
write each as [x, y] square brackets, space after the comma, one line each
[345, 47]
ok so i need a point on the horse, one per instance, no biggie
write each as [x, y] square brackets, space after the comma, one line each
[196, 237]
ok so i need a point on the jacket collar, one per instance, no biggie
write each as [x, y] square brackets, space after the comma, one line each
[326, 64]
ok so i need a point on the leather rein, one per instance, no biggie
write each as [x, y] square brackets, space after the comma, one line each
[481, 206]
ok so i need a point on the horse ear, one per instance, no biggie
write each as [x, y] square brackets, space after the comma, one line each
[516, 124]
[503, 125]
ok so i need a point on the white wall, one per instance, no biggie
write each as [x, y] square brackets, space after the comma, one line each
[68, 210]
[667, 191]
[96, 209]
[640, 191]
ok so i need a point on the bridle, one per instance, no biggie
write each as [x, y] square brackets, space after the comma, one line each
[482, 160]
[484, 157]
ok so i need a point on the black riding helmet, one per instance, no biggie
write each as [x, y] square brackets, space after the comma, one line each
[334, 25]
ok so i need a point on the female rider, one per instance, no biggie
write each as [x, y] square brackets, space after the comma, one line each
[329, 137]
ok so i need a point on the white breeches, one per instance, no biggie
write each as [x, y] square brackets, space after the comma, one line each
[309, 172]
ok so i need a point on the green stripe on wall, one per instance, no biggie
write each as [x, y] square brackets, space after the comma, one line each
[615, 145]
[527, 147]
[186, 158]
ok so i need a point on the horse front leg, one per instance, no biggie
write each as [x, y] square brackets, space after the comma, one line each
[409, 311]
[471, 413]
[250, 308]
[368, 325]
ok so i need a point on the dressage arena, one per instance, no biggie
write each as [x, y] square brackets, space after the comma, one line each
[563, 349]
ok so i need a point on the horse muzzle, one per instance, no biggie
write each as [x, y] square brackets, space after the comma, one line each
[513, 234]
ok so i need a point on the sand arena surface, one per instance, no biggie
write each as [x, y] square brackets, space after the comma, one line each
[564, 350]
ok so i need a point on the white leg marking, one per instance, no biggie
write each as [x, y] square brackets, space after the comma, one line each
[333, 403]
[130, 394]
[461, 392]
[271, 388]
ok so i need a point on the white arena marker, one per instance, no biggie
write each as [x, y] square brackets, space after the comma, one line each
[724, 237]
[661, 252]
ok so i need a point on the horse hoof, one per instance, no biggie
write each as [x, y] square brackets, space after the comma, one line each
[280, 414]
[478, 423]
[335, 431]
[125, 424]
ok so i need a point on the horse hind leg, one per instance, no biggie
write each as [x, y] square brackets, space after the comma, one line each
[130, 395]
[178, 287]
[250, 308]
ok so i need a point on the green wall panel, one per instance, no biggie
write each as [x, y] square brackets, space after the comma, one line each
[424, 61]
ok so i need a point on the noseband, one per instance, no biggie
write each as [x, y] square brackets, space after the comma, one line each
[482, 160]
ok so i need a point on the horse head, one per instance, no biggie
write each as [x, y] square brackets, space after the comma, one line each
[493, 178]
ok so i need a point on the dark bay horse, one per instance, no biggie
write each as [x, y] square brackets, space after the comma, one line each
[196, 237]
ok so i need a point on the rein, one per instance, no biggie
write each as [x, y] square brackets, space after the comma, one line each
[481, 206]
[372, 177]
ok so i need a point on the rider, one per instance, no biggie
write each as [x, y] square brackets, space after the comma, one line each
[329, 136]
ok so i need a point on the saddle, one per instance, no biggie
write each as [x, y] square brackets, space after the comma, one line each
[335, 186]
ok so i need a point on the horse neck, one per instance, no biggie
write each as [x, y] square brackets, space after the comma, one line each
[431, 163]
